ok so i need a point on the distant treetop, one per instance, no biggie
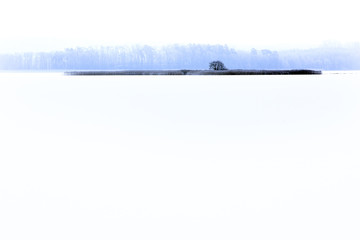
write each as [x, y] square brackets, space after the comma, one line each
[217, 65]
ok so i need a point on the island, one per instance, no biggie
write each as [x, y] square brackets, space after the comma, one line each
[198, 72]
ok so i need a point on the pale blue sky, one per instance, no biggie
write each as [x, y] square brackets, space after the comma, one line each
[45, 25]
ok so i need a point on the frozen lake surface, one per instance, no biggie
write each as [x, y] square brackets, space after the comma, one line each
[179, 157]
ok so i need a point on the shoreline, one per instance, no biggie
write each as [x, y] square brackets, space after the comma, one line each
[197, 72]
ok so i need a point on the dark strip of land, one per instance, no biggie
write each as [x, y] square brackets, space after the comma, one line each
[198, 72]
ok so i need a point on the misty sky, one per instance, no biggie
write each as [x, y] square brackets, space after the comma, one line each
[45, 25]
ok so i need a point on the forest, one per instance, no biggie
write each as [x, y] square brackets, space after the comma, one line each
[191, 56]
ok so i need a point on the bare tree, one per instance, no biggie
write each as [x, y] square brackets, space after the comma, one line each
[217, 65]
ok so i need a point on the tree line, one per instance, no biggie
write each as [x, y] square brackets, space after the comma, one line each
[192, 56]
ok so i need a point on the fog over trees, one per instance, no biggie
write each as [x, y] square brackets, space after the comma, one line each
[192, 56]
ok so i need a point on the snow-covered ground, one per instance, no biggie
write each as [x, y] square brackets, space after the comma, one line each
[174, 157]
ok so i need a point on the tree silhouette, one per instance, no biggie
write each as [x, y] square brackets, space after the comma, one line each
[217, 65]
